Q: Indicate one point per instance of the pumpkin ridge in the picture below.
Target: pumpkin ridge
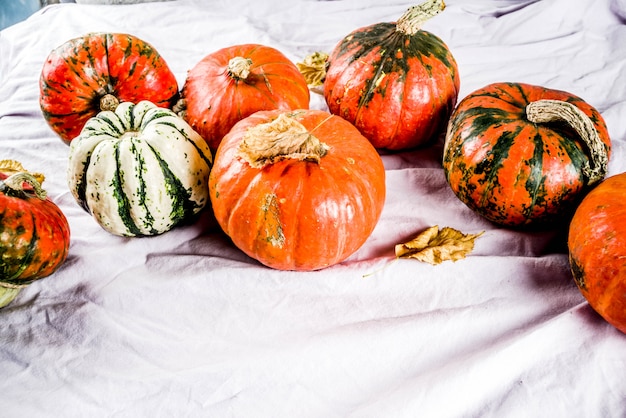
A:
(575, 154)
(123, 204)
(147, 218)
(81, 185)
(483, 117)
(490, 166)
(72, 65)
(297, 197)
(50, 115)
(517, 102)
(110, 122)
(108, 41)
(246, 191)
(27, 258)
(207, 159)
(535, 183)
(180, 196)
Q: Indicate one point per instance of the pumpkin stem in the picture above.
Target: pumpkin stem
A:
(239, 67)
(413, 19)
(108, 102)
(14, 185)
(282, 138)
(545, 111)
(180, 108)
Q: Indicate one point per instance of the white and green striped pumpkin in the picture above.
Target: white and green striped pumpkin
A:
(139, 170)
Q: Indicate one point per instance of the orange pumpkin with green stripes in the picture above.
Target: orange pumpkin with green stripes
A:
(521, 154)
(394, 81)
(95, 72)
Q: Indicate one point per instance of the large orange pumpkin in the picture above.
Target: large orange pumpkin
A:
(231, 83)
(298, 190)
(597, 249)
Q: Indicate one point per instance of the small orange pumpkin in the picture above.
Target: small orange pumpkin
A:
(234, 82)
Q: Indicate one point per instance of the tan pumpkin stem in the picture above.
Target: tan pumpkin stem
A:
(108, 102)
(413, 19)
(546, 111)
(9, 167)
(239, 67)
(282, 138)
(15, 183)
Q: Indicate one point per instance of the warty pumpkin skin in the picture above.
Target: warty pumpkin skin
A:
(95, 72)
(597, 249)
(518, 172)
(298, 190)
(140, 170)
(231, 83)
(34, 234)
(396, 83)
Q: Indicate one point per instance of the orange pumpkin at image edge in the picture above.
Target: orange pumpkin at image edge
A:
(231, 83)
(34, 233)
(305, 209)
(597, 249)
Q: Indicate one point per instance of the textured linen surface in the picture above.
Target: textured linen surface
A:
(184, 325)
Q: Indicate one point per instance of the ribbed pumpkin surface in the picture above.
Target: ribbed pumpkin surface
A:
(139, 170)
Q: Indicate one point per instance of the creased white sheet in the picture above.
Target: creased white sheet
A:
(185, 325)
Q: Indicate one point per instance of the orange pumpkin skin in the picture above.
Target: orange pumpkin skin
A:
(300, 215)
(215, 98)
(597, 249)
(79, 73)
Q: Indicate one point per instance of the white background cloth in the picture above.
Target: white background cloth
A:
(185, 325)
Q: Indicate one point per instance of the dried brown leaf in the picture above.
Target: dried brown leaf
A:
(435, 246)
(313, 68)
(9, 167)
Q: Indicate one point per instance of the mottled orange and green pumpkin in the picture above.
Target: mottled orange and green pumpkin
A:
(34, 233)
(94, 72)
(516, 172)
(395, 82)
(597, 249)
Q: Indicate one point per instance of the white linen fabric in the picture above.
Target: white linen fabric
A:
(183, 324)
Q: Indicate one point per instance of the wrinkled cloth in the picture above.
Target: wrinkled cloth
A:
(184, 324)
